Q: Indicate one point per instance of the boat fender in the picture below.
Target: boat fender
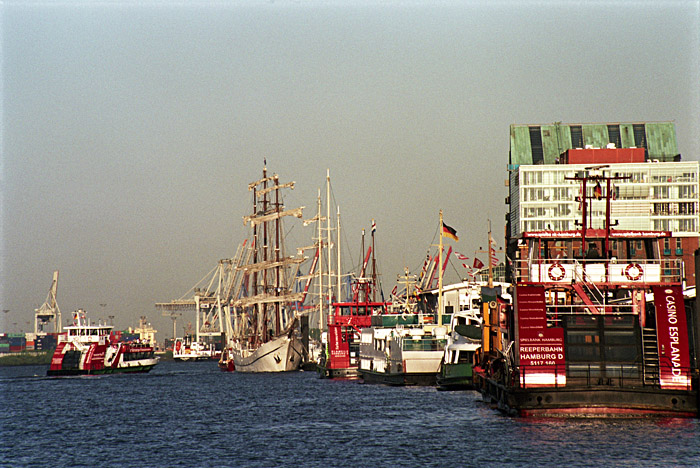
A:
(633, 271)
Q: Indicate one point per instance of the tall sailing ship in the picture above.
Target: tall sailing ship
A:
(264, 307)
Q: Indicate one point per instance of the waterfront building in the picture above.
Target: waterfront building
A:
(653, 189)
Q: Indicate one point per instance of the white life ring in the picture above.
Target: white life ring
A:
(556, 272)
(630, 271)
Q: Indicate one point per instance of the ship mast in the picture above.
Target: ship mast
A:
(278, 270)
(490, 260)
(328, 234)
(320, 265)
(440, 304)
(339, 298)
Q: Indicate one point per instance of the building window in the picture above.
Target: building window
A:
(576, 136)
(640, 139)
(661, 191)
(661, 208)
(686, 191)
(687, 225)
(614, 135)
(686, 208)
(536, 145)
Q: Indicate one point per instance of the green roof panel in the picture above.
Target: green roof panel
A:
(595, 135)
(520, 149)
(661, 141)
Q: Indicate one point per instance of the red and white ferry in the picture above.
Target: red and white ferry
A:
(85, 348)
(598, 327)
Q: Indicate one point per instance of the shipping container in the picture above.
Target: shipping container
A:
(18, 341)
(46, 342)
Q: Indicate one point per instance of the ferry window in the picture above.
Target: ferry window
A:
(583, 337)
(582, 353)
(627, 353)
(619, 337)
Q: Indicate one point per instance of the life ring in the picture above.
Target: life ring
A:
(628, 272)
(177, 345)
(556, 272)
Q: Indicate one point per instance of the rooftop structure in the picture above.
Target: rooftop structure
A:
(544, 144)
(653, 189)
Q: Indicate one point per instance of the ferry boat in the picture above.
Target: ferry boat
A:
(406, 347)
(598, 327)
(463, 341)
(399, 350)
(185, 350)
(85, 348)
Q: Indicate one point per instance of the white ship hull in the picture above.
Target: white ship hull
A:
(282, 354)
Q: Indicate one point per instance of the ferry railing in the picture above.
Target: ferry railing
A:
(556, 311)
(613, 271)
(594, 375)
(423, 344)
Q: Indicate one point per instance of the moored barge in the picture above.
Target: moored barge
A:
(598, 327)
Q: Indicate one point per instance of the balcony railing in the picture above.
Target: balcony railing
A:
(617, 271)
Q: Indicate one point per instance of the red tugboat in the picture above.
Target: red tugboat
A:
(598, 327)
(340, 358)
(85, 348)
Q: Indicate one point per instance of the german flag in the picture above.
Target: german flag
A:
(598, 191)
(449, 232)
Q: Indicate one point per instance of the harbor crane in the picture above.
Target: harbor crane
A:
(49, 311)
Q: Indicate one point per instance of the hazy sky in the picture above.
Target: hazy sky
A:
(131, 131)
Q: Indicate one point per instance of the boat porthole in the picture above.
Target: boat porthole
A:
(674, 401)
(539, 400)
(548, 398)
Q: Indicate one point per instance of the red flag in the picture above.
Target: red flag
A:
(478, 263)
(461, 257)
(494, 259)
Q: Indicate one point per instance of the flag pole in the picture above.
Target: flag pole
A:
(440, 305)
(490, 258)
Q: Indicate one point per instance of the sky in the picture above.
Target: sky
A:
(131, 130)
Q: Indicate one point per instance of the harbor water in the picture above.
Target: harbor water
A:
(192, 415)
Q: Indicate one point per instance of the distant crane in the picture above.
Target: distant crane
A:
(49, 311)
